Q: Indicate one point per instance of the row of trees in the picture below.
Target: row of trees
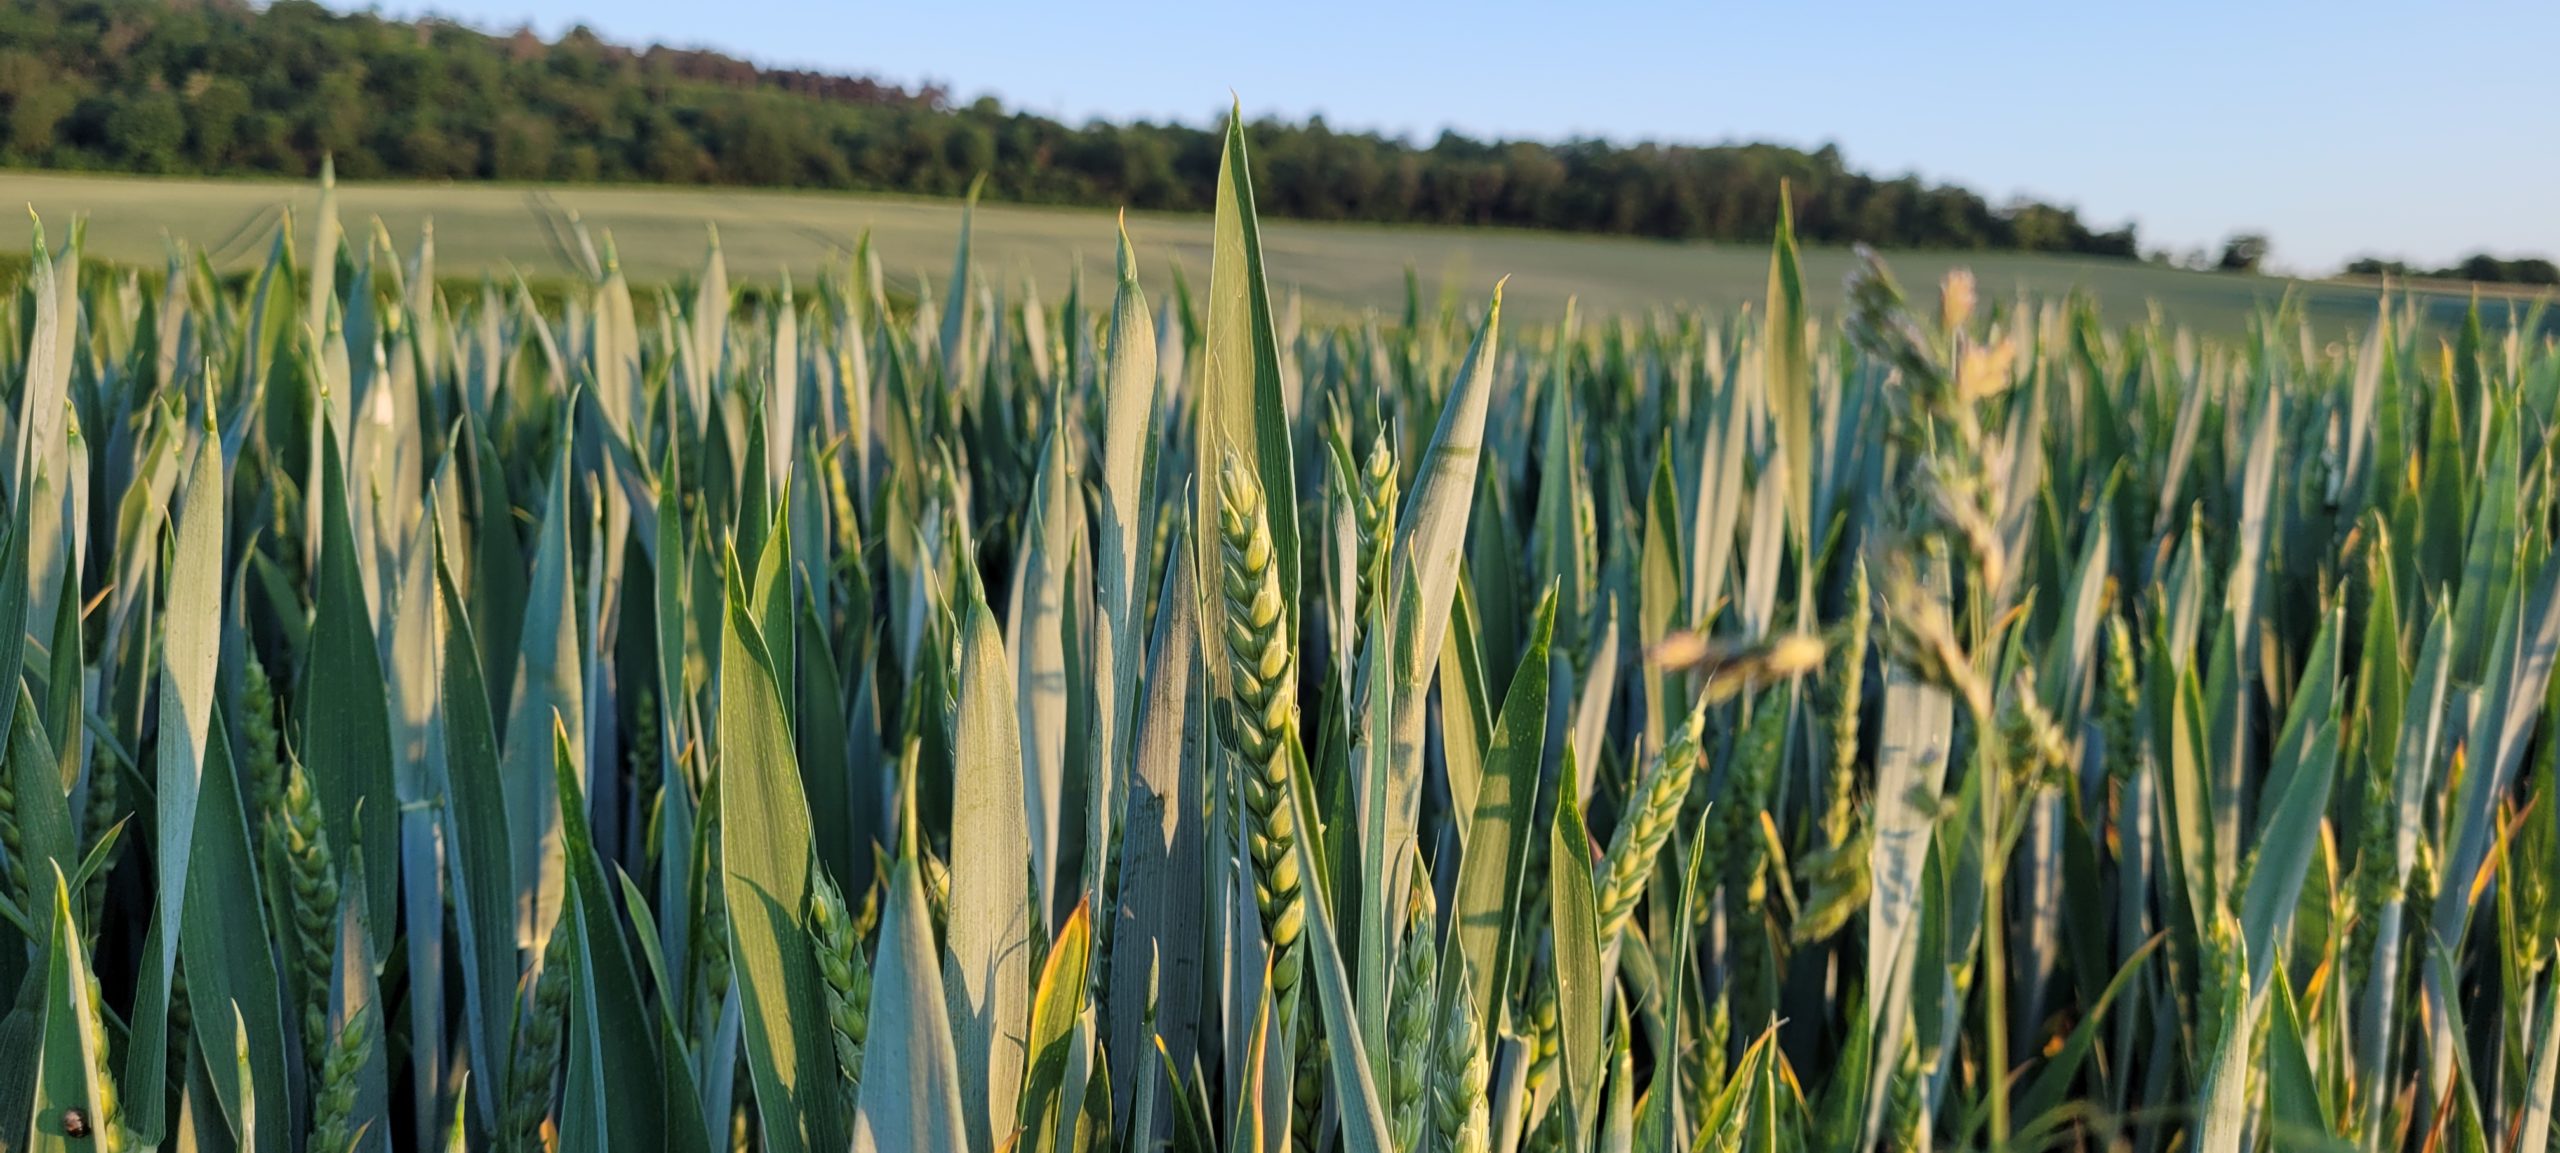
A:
(2479, 267)
(224, 87)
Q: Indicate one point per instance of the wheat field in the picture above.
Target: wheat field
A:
(1909, 708)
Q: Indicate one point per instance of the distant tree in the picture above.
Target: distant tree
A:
(2040, 228)
(2482, 268)
(333, 122)
(37, 102)
(213, 122)
(2244, 252)
(666, 153)
(578, 163)
(2479, 268)
(522, 148)
(148, 131)
(2487, 269)
(969, 149)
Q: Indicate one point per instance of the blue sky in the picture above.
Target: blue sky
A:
(2414, 130)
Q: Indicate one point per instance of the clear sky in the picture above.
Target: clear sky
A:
(2422, 131)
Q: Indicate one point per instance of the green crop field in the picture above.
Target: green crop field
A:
(1830, 706)
(1338, 269)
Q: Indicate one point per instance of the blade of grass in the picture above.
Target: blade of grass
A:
(988, 967)
(764, 868)
(1579, 994)
(1484, 932)
(919, 1109)
(479, 847)
(346, 712)
(224, 949)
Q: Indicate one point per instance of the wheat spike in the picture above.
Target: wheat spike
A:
(311, 875)
(1263, 689)
(848, 979)
(1374, 515)
(1409, 1023)
(1460, 1116)
(532, 1072)
(1621, 877)
(333, 1106)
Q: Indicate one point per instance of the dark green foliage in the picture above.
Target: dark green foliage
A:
(161, 86)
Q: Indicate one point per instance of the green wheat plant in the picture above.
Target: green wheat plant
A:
(933, 711)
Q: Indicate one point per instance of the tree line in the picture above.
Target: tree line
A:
(221, 87)
(2479, 267)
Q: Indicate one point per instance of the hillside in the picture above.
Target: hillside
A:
(220, 87)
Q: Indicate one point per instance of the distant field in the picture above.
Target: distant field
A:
(660, 234)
